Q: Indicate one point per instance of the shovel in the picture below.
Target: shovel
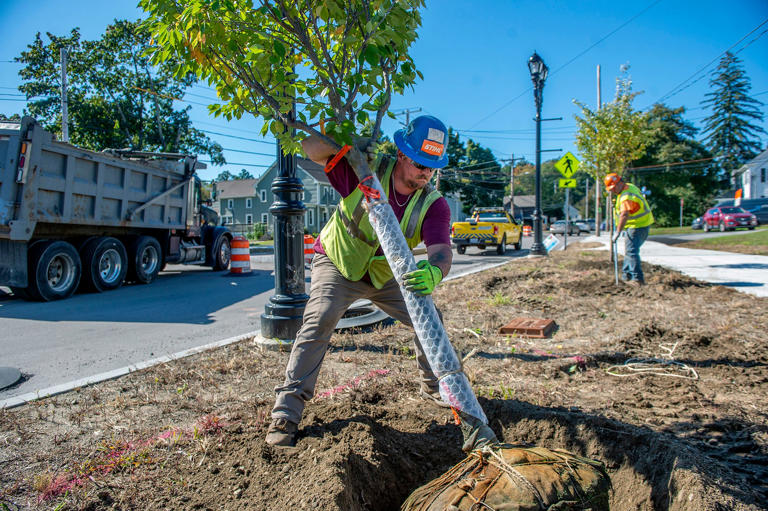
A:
(615, 260)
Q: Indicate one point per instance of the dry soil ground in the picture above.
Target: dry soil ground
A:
(685, 429)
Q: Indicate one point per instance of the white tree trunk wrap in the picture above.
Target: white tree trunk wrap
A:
(453, 383)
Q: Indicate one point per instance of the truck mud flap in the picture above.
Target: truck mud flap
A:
(13, 263)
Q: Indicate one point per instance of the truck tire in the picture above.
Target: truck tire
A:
(501, 248)
(519, 243)
(222, 253)
(54, 271)
(105, 264)
(461, 249)
(145, 260)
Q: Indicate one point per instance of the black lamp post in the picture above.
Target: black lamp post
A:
(539, 71)
(284, 311)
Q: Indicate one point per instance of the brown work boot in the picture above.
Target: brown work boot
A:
(433, 397)
(635, 283)
(282, 433)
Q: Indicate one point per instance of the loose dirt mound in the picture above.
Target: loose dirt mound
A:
(665, 389)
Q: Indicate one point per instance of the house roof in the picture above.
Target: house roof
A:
(313, 169)
(522, 201)
(235, 188)
(760, 159)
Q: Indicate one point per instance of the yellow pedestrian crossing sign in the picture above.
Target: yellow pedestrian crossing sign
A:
(567, 183)
(567, 165)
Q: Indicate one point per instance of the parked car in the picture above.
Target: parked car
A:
(761, 212)
(728, 218)
(558, 227)
(697, 223)
(583, 227)
(590, 223)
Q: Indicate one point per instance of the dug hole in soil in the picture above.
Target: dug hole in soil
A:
(682, 426)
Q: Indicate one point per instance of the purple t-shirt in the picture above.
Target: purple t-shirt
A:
(435, 229)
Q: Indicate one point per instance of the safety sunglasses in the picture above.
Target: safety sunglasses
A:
(421, 167)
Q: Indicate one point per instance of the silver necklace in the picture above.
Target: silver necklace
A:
(394, 192)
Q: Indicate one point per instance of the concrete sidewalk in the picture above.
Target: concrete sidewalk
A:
(747, 273)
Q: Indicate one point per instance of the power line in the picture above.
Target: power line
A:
(505, 105)
(239, 164)
(248, 152)
(674, 90)
(239, 138)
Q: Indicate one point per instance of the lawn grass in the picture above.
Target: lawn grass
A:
(656, 231)
(748, 243)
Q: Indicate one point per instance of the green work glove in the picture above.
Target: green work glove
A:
(424, 280)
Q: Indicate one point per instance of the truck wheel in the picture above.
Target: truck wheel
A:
(54, 271)
(722, 226)
(146, 258)
(222, 253)
(461, 249)
(706, 227)
(104, 264)
(519, 243)
(502, 247)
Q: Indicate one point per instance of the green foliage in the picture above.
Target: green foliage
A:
(338, 61)
(244, 174)
(225, 175)
(672, 140)
(730, 132)
(116, 97)
(609, 138)
(12, 118)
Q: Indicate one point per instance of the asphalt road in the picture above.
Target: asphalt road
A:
(187, 307)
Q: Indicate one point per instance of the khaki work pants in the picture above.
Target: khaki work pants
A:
(329, 297)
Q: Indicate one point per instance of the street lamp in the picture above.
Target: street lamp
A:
(538, 70)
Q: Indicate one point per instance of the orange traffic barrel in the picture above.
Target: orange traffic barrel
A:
(241, 256)
(526, 230)
(309, 248)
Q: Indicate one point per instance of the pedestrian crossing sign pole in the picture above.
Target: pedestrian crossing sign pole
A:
(567, 166)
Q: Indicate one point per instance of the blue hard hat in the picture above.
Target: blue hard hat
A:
(425, 141)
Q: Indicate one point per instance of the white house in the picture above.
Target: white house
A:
(752, 177)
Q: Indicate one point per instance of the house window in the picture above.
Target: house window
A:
(264, 218)
(248, 203)
(263, 194)
(226, 220)
(324, 216)
(310, 220)
(249, 219)
(762, 175)
(230, 204)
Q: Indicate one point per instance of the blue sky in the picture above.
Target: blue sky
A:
(474, 59)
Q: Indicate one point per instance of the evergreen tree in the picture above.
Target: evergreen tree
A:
(730, 132)
(675, 166)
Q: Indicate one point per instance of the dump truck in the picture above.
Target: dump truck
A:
(72, 218)
(487, 226)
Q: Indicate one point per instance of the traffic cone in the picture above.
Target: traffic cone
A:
(241, 256)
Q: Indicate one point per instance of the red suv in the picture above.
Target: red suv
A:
(728, 218)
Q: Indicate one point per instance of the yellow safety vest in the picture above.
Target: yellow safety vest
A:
(642, 217)
(350, 241)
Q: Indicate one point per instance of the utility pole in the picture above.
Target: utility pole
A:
(512, 181)
(64, 112)
(597, 177)
(407, 112)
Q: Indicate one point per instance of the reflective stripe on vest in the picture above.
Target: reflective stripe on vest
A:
(643, 217)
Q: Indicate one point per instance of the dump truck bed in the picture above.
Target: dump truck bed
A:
(51, 185)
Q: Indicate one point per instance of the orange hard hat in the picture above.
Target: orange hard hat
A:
(611, 180)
